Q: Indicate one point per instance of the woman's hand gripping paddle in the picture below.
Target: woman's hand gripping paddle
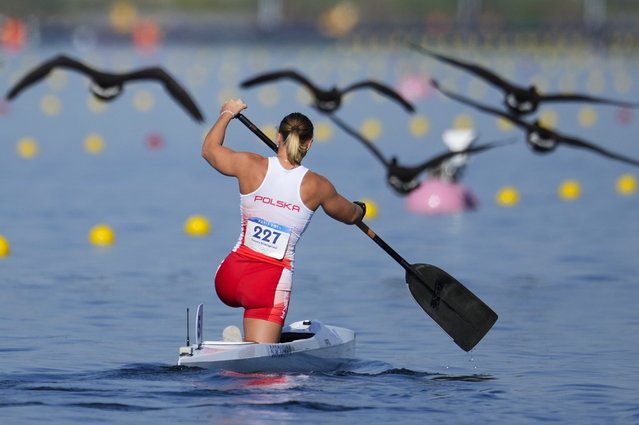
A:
(459, 312)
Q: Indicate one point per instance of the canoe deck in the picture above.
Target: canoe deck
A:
(305, 346)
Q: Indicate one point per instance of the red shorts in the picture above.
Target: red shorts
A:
(263, 289)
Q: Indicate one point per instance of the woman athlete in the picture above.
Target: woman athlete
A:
(278, 197)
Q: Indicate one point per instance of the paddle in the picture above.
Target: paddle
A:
(459, 312)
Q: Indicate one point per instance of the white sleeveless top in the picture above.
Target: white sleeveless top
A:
(274, 216)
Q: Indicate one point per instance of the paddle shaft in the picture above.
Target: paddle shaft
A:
(257, 131)
(386, 247)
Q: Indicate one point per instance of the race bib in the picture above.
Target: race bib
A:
(267, 238)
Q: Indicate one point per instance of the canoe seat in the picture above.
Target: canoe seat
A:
(294, 336)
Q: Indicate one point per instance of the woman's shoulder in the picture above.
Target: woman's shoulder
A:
(251, 172)
(317, 181)
(252, 157)
(250, 164)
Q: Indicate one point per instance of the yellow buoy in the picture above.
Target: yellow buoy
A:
(323, 131)
(587, 116)
(143, 100)
(504, 125)
(627, 184)
(419, 126)
(569, 190)
(463, 121)
(94, 144)
(101, 235)
(123, 16)
(372, 129)
(271, 131)
(27, 148)
(548, 118)
(5, 248)
(507, 196)
(51, 105)
(197, 225)
(371, 209)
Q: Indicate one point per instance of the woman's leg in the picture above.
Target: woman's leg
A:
(265, 297)
(263, 331)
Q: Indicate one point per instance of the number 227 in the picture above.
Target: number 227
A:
(265, 234)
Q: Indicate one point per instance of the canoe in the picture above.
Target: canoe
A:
(305, 346)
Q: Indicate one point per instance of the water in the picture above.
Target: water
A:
(91, 334)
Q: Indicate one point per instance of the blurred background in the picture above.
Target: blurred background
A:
(210, 47)
(609, 23)
(585, 46)
(111, 222)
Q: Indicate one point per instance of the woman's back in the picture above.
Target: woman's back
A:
(274, 215)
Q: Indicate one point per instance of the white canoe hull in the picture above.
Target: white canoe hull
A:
(308, 346)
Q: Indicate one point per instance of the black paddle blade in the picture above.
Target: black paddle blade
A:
(453, 307)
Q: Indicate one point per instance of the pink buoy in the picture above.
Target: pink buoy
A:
(415, 87)
(154, 141)
(624, 116)
(435, 196)
(4, 107)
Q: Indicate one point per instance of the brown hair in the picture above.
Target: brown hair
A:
(296, 130)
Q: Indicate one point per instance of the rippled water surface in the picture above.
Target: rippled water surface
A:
(91, 334)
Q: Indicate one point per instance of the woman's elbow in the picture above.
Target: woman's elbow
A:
(209, 157)
(355, 217)
(206, 156)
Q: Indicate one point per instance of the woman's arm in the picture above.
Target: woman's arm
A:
(335, 205)
(223, 159)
